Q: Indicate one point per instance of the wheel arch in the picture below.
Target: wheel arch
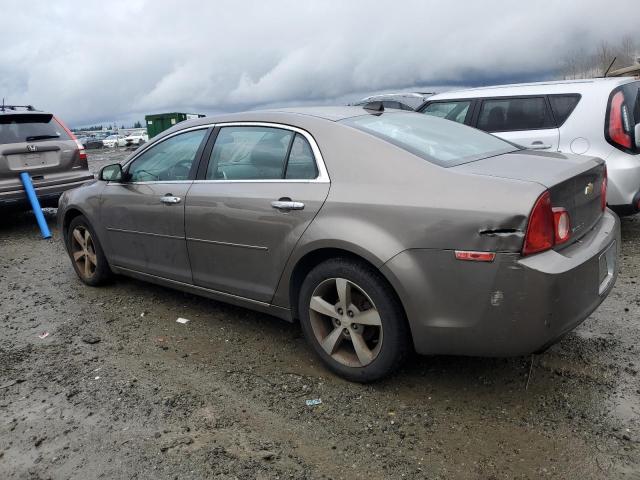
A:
(314, 257)
(69, 214)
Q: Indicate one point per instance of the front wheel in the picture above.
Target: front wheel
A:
(86, 253)
(353, 320)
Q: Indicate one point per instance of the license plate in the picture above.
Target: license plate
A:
(607, 263)
(26, 161)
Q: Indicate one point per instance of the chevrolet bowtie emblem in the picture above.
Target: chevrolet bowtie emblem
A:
(588, 190)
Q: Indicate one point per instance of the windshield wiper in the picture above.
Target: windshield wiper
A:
(41, 137)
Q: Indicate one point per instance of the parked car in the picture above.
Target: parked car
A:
(40, 144)
(83, 139)
(400, 101)
(113, 141)
(377, 230)
(90, 142)
(136, 139)
(597, 117)
(93, 143)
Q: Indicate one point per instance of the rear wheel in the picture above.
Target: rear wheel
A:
(86, 253)
(353, 320)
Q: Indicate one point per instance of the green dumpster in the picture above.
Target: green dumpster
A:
(160, 122)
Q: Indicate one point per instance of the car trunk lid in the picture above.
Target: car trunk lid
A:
(574, 182)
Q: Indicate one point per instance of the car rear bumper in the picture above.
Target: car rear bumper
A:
(624, 180)
(47, 190)
(513, 306)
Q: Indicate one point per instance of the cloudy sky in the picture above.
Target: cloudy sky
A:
(95, 61)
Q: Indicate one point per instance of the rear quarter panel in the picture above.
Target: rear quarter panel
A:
(384, 200)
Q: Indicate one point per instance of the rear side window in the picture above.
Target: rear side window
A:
(260, 153)
(563, 105)
(249, 153)
(301, 164)
(440, 142)
(30, 128)
(456, 111)
(504, 114)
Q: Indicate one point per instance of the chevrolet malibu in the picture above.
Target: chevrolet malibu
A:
(380, 232)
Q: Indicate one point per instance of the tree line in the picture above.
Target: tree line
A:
(594, 62)
(109, 127)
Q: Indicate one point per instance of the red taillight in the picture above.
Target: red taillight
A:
(83, 153)
(603, 191)
(548, 226)
(561, 225)
(540, 230)
(475, 256)
(617, 118)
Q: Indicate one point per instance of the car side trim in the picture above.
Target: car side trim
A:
(190, 286)
(228, 244)
(136, 232)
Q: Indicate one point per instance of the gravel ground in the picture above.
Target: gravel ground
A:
(118, 389)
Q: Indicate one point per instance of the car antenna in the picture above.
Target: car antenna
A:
(375, 108)
(610, 65)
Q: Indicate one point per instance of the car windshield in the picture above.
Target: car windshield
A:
(30, 128)
(442, 142)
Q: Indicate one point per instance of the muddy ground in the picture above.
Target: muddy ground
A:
(118, 389)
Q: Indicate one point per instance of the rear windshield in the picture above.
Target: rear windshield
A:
(30, 128)
(442, 142)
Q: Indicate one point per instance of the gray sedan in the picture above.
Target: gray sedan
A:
(381, 232)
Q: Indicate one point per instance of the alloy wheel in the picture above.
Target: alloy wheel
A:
(345, 322)
(83, 252)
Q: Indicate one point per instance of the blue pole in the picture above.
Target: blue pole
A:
(35, 204)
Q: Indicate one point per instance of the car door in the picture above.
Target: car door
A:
(144, 214)
(260, 187)
(526, 121)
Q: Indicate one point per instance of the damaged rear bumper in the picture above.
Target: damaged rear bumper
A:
(513, 306)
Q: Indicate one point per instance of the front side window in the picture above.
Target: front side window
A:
(260, 153)
(505, 114)
(443, 143)
(456, 111)
(169, 160)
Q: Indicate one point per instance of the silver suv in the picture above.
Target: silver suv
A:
(40, 144)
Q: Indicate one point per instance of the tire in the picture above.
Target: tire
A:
(97, 272)
(383, 341)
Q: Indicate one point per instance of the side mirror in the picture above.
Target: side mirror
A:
(637, 132)
(111, 173)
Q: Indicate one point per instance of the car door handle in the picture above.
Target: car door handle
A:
(287, 205)
(170, 199)
(538, 145)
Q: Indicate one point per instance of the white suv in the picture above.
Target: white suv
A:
(598, 117)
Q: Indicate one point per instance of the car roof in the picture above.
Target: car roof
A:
(330, 113)
(307, 118)
(537, 88)
(24, 113)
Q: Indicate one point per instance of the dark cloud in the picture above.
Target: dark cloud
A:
(101, 61)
